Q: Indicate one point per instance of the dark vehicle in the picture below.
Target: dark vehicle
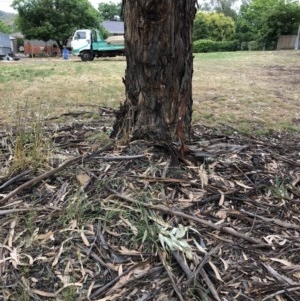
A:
(6, 53)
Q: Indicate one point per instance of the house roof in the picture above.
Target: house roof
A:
(114, 27)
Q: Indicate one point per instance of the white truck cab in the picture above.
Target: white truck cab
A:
(89, 43)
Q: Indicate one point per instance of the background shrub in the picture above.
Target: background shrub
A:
(213, 46)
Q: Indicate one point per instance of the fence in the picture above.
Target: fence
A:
(286, 42)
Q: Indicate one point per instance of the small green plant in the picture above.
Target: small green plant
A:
(279, 188)
(75, 208)
(69, 293)
(146, 230)
(100, 137)
(29, 221)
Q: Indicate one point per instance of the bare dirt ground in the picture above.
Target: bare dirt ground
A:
(106, 222)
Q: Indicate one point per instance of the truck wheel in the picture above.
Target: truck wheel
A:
(86, 56)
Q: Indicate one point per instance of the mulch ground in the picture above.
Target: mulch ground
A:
(104, 222)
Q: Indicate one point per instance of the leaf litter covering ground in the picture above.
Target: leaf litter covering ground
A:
(112, 223)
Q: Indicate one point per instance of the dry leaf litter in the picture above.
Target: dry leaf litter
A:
(99, 221)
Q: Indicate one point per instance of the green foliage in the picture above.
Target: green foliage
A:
(220, 27)
(4, 28)
(110, 11)
(265, 20)
(215, 46)
(227, 7)
(56, 20)
(8, 20)
(204, 46)
(200, 30)
(283, 19)
(213, 26)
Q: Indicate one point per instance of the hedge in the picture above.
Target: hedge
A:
(213, 46)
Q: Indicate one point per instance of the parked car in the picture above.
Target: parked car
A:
(6, 53)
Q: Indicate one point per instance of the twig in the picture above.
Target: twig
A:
(115, 280)
(210, 285)
(52, 172)
(166, 180)
(41, 177)
(227, 230)
(205, 260)
(278, 276)
(111, 158)
(9, 211)
(176, 289)
(281, 292)
(14, 179)
(273, 220)
(182, 264)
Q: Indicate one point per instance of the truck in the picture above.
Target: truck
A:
(89, 43)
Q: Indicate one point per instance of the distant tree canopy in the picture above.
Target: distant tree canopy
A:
(213, 26)
(110, 11)
(4, 28)
(265, 20)
(54, 20)
(227, 7)
(260, 21)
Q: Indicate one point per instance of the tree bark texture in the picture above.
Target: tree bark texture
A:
(158, 76)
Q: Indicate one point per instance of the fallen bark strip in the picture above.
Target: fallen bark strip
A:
(227, 230)
(175, 287)
(205, 260)
(14, 179)
(9, 211)
(273, 220)
(52, 172)
(210, 285)
(103, 288)
(117, 158)
(193, 275)
(283, 291)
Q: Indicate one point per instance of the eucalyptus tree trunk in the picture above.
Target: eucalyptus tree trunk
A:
(158, 77)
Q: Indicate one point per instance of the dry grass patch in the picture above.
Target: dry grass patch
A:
(52, 87)
(250, 91)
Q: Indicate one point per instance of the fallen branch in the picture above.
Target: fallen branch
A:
(9, 211)
(285, 290)
(14, 179)
(52, 172)
(176, 289)
(227, 230)
(273, 220)
(205, 260)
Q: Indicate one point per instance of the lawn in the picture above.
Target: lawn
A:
(248, 90)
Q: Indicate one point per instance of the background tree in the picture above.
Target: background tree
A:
(54, 19)
(220, 27)
(283, 19)
(200, 30)
(110, 11)
(158, 76)
(264, 20)
(4, 28)
(227, 7)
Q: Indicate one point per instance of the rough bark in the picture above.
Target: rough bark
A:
(158, 77)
